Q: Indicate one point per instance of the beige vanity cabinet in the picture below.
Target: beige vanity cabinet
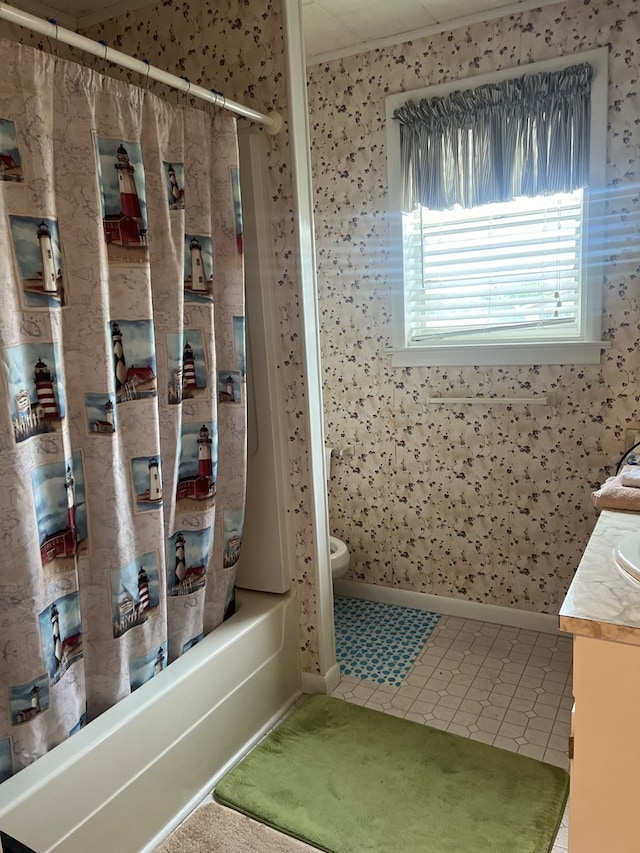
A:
(604, 797)
(602, 611)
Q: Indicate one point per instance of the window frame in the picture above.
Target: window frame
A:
(583, 350)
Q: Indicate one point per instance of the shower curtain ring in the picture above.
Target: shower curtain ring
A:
(104, 58)
(148, 64)
(218, 94)
(54, 23)
(188, 89)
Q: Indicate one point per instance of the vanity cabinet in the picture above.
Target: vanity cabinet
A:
(602, 611)
(604, 797)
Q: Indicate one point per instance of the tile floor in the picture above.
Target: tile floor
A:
(503, 686)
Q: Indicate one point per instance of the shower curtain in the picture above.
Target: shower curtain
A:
(122, 371)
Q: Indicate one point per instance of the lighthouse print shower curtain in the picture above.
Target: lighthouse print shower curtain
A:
(122, 395)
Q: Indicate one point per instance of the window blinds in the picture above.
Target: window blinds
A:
(501, 267)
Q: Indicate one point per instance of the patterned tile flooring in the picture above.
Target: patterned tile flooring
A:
(503, 686)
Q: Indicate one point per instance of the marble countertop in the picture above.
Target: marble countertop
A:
(602, 601)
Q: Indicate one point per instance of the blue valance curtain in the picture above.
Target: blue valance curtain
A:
(525, 136)
(122, 404)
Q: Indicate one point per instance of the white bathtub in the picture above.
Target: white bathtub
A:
(124, 782)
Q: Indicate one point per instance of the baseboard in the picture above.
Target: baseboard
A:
(312, 682)
(546, 623)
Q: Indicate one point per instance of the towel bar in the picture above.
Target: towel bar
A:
(540, 400)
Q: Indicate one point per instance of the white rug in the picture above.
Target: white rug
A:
(216, 829)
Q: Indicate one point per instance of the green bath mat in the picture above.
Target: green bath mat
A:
(351, 780)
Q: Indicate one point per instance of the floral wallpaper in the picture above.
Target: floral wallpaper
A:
(488, 503)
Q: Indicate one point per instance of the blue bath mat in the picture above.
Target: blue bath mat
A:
(378, 641)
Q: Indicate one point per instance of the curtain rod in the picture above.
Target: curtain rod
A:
(271, 122)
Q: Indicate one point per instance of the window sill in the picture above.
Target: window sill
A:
(507, 354)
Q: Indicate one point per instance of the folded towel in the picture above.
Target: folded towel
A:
(614, 495)
(631, 476)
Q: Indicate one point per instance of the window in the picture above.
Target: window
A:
(497, 276)
(499, 269)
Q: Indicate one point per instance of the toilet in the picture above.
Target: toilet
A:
(339, 557)
(338, 551)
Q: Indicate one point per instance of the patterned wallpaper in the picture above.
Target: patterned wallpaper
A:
(489, 503)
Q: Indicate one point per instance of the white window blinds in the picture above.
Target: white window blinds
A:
(497, 271)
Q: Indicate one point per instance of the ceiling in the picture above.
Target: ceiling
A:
(332, 28)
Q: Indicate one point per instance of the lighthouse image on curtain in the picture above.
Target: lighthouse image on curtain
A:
(186, 365)
(229, 386)
(101, 413)
(28, 700)
(35, 391)
(198, 462)
(123, 194)
(134, 359)
(233, 521)
(198, 268)
(174, 178)
(192, 642)
(10, 163)
(146, 667)
(147, 482)
(38, 253)
(81, 723)
(135, 593)
(187, 561)
(61, 514)
(61, 635)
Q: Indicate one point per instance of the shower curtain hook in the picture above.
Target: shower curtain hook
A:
(148, 64)
(188, 89)
(104, 58)
(54, 23)
(216, 106)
